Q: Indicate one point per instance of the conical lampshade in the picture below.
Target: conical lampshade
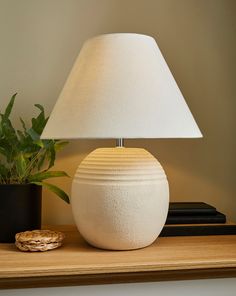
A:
(121, 87)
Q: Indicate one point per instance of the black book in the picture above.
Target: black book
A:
(199, 229)
(196, 219)
(191, 208)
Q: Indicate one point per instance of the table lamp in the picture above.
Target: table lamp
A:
(120, 87)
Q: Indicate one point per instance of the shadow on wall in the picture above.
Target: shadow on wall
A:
(195, 173)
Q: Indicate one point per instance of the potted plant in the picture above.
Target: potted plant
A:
(25, 163)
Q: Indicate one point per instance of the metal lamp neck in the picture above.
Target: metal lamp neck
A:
(119, 142)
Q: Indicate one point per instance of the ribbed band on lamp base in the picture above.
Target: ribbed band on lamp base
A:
(120, 87)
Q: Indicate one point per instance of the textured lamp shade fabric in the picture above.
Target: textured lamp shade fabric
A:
(121, 87)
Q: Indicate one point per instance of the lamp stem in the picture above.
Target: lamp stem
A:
(120, 142)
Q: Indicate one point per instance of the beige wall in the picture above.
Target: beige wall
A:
(39, 41)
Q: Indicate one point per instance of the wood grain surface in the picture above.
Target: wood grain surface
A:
(77, 263)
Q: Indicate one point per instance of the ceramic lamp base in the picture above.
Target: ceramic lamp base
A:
(120, 198)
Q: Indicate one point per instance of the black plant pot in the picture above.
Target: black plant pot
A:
(20, 210)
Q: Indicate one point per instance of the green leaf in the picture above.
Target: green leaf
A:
(8, 139)
(59, 192)
(21, 164)
(60, 145)
(40, 107)
(8, 131)
(23, 124)
(33, 134)
(39, 143)
(40, 121)
(41, 161)
(2, 151)
(9, 106)
(52, 156)
(21, 135)
(47, 175)
(29, 154)
(3, 171)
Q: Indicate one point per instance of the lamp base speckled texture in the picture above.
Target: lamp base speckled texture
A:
(120, 198)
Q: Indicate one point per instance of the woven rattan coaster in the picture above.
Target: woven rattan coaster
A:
(39, 240)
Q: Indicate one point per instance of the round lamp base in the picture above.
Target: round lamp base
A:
(120, 198)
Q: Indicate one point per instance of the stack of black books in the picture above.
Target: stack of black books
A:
(195, 218)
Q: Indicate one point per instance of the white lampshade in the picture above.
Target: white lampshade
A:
(121, 87)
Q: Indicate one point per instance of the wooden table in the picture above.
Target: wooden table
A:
(77, 263)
